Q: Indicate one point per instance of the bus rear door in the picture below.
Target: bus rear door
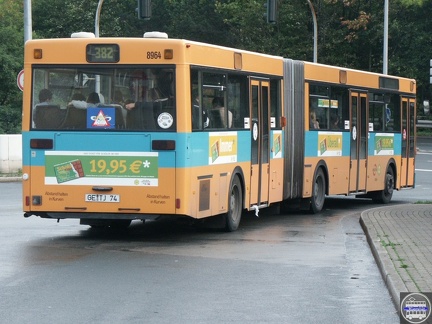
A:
(358, 142)
(408, 142)
(259, 192)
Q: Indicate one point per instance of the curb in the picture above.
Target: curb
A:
(10, 179)
(391, 278)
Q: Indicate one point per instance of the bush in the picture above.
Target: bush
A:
(10, 120)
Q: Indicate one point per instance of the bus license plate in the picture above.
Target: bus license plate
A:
(102, 198)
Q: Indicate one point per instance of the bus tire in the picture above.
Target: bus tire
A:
(235, 205)
(384, 196)
(318, 192)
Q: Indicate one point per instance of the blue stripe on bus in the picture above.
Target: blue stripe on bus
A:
(312, 143)
(192, 149)
(397, 143)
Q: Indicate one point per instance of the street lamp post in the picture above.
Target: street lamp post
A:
(315, 53)
(97, 17)
(385, 43)
(27, 21)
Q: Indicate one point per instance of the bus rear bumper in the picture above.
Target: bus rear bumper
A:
(104, 216)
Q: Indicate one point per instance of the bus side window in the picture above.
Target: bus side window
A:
(275, 104)
(199, 115)
(238, 100)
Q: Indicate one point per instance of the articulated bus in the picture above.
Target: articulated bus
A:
(118, 129)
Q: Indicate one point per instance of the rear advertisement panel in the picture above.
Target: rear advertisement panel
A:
(102, 168)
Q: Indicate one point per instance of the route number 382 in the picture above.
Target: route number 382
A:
(154, 55)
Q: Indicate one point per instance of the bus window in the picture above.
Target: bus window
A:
(339, 104)
(393, 113)
(200, 116)
(384, 112)
(221, 97)
(321, 108)
(275, 104)
(319, 90)
(238, 99)
(319, 103)
(214, 100)
(376, 112)
(127, 99)
(329, 106)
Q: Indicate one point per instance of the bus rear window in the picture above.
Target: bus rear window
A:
(103, 98)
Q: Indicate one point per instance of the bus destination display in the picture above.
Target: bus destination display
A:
(103, 53)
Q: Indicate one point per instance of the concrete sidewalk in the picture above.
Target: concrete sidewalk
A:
(400, 237)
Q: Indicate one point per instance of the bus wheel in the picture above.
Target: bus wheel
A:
(384, 196)
(318, 192)
(235, 206)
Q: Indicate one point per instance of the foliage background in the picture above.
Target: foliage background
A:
(350, 33)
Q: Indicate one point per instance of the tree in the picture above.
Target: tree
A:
(410, 43)
(350, 32)
(11, 62)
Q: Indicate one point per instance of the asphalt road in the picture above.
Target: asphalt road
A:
(295, 268)
(292, 268)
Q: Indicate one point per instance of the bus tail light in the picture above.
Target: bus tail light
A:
(178, 203)
(37, 143)
(36, 200)
(163, 145)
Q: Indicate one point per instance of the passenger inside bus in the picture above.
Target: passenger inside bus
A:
(314, 124)
(334, 121)
(164, 86)
(45, 97)
(219, 114)
(78, 96)
(47, 115)
(140, 112)
(93, 100)
(196, 111)
(119, 101)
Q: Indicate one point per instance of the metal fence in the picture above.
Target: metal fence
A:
(424, 123)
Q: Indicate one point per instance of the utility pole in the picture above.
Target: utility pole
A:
(27, 21)
(315, 52)
(97, 17)
(385, 43)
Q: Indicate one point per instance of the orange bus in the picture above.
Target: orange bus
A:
(117, 129)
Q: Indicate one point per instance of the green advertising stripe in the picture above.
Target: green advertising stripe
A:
(101, 166)
(384, 142)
